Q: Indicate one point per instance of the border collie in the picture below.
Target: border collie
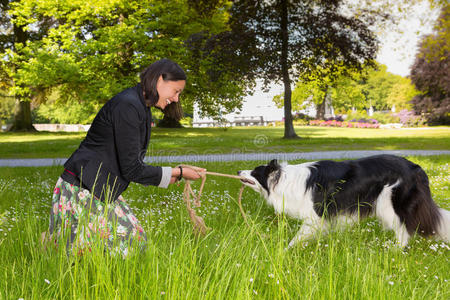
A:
(326, 194)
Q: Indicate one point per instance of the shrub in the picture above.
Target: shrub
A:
(385, 118)
(300, 122)
(409, 118)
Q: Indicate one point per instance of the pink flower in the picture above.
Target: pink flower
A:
(56, 191)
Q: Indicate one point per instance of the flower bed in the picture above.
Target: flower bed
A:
(334, 123)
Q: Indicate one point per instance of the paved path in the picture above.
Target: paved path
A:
(39, 162)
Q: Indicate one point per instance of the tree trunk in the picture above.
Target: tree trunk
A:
(22, 116)
(320, 115)
(289, 131)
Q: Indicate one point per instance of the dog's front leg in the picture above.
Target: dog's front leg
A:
(308, 230)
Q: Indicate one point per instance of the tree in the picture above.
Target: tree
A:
(377, 87)
(97, 49)
(348, 93)
(13, 37)
(431, 73)
(290, 38)
(373, 86)
(401, 94)
(319, 86)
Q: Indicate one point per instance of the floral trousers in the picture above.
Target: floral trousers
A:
(84, 220)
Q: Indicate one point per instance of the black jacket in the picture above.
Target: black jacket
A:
(111, 155)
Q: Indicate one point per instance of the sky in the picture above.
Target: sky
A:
(398, 49)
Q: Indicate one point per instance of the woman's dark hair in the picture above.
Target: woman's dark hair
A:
(170, 71)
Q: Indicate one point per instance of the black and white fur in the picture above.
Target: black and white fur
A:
(326, 194)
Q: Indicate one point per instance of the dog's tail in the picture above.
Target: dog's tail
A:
(444, 225)
(421, 214)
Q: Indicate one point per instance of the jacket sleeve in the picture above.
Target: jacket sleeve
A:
(127, 125)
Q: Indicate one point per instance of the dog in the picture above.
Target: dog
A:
(327, 194)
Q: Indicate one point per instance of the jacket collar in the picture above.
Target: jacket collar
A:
(140, 93)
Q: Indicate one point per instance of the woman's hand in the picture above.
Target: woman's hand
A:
(192, 174)
(187, 173)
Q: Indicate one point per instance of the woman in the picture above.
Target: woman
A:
(86, 200)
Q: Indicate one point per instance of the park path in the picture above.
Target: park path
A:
(263, 156)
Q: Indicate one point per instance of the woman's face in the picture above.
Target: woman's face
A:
(168, 91)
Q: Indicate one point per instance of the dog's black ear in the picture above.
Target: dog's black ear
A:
(272, 166)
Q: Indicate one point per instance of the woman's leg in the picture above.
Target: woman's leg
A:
(76, 212)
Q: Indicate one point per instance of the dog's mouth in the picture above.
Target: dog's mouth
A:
(245, 180)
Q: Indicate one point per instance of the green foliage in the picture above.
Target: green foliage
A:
(66, 113)
(373, 87)
(95, 49)
(401, 93)
(377, 87)
(385, 118)
(348, 94)
(356, 115)
(381, 117)
(6, 107)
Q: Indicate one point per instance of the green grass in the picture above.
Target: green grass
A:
(231, 262)
(237, 140)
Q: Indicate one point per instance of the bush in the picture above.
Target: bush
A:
(385, 118)
(300, 122)
(377, 117)
(301, 116)
(186, 121)
(410, 119)
(356, 115)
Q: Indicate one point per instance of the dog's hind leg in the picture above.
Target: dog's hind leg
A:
(308, 230)
(386, 214)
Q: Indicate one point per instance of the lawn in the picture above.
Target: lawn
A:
(237, 140)
(232, 261)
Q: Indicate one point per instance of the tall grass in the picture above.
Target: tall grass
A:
(232, 261)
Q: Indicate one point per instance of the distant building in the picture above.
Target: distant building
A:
(257, 110)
